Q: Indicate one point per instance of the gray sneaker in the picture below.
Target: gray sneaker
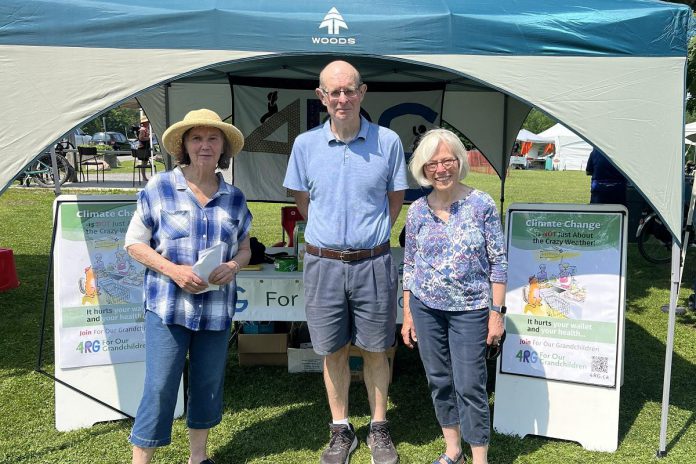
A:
(343, 442)
(380, 443)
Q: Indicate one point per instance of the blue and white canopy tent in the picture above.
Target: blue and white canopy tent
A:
(602, 67)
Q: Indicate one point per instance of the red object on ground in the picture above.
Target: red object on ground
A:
(8, 271)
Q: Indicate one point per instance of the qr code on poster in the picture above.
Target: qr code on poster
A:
(600, 364)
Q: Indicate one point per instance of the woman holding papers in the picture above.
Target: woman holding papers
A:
(455, 272)
(187, 220)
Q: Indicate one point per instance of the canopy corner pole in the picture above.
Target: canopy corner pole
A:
(677, 274)
(54, 171)
(506, 158)
(669, 346)
(167, 159)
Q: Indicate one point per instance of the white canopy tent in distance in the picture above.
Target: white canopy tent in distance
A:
(595, 65)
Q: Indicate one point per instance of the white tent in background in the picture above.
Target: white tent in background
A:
(690, 132)
(571, 150)
(528, 136)
(534, 153)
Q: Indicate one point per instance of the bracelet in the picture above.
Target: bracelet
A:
(236, 266)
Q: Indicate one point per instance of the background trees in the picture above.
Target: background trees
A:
(119, 119)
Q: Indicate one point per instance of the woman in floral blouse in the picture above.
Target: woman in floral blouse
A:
(455, 271)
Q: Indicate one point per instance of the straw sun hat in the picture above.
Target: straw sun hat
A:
(173, 137)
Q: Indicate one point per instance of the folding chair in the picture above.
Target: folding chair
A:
(89, 157)
(141, 163)
(289, 215)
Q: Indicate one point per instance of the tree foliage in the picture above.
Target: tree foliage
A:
(537, 121)
(117, 120)
(691, 77)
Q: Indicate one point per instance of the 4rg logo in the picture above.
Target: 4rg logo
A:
(89, 346)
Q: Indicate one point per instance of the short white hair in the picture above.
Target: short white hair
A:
(426, 150)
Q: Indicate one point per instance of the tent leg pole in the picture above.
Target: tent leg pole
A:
(54, 171)
(669, 348)
(506, 159)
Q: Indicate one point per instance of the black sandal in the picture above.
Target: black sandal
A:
(458, 460)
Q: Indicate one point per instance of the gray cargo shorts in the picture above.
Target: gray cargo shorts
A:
(352, 302)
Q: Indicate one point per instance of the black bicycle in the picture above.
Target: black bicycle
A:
(653, 237)
(40, 170)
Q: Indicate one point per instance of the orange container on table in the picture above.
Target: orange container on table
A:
(8, 271)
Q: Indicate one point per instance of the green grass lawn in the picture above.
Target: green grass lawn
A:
(271, 416)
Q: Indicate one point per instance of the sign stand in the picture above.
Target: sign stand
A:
(103, 381)
(561, 369)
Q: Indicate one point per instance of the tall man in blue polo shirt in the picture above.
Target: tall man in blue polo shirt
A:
(348, 177)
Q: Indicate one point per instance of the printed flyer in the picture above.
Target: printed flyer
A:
(99, 315)
(563, 295)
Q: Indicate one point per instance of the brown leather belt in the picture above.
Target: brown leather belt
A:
(347, 256)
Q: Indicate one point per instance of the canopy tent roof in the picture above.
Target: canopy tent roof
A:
(527, 136)
(529, 27)
(581, 62)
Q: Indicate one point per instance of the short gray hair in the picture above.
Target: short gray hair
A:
(427, 148)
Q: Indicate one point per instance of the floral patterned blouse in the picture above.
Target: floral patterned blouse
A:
(450, 265)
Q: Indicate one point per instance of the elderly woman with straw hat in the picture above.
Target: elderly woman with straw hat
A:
(181, 213)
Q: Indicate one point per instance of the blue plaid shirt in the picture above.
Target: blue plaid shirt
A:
(180, 229)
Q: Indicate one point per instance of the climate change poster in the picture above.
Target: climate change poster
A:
(564, 295)
(98, 287)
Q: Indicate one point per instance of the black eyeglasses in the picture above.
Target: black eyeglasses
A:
(446, 163)
(334, 95)
(493, 351)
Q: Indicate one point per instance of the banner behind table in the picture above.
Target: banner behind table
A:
(272, 117)
(565, 299)
(98, 312)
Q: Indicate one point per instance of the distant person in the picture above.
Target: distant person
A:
(144, 140)
(144, 133)
(608, 184)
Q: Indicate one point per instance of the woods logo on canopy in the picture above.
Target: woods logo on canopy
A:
(333, 22)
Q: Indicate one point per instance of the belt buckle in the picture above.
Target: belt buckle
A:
(345, 253)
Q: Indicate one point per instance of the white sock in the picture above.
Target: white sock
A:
(341, 422)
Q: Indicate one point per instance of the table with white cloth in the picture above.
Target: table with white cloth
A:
(270, 295)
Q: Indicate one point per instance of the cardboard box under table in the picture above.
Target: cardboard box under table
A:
(306, 360)
(262, 349)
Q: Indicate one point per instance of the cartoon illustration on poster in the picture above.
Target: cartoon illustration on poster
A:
(101, 315)
(564, 284)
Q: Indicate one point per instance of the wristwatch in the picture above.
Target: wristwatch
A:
(499, 309)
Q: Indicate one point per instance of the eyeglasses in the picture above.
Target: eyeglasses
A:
(336, 94)
(446, 163)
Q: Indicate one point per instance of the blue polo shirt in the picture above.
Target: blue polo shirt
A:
(347, 184)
